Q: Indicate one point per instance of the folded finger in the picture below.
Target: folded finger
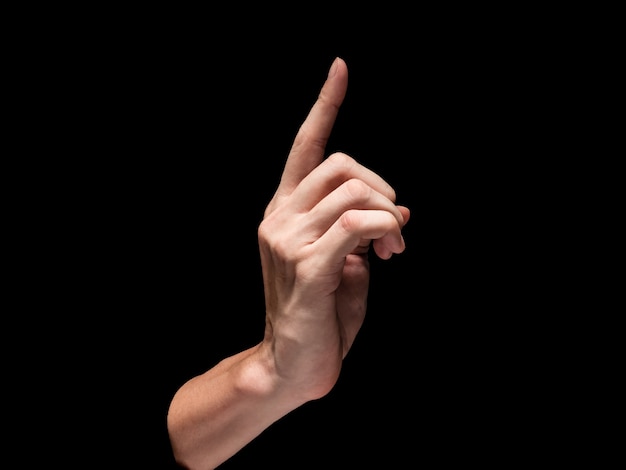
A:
(345, 235)
(336, 170)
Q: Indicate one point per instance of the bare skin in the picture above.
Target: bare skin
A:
(325, 216)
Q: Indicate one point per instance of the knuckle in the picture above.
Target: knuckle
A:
(349, 221)
(306, 138)
(357, 190)
(341, 161)
(263, 233)
(274, 240)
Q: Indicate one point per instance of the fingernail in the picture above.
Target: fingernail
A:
(333, 68)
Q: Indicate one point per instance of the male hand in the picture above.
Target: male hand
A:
(314, 242)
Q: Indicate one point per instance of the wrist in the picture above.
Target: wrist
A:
(259, 379)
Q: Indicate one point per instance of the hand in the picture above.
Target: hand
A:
(314, 242)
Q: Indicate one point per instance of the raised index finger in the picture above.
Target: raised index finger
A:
(310, 142)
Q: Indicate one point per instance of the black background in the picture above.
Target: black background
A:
(170, 134)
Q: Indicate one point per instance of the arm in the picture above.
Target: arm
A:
(313, 240)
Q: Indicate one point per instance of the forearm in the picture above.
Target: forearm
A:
(215, 414)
